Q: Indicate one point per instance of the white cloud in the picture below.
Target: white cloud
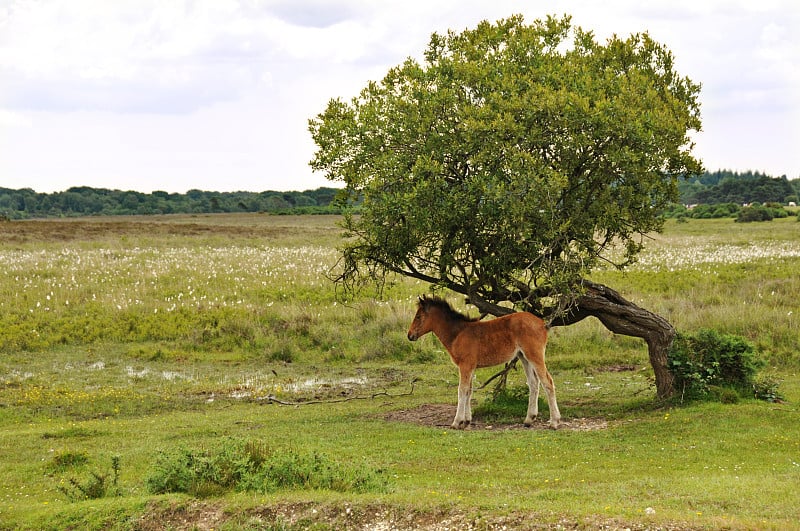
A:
(14, 119)
(219, 91)
(165, 56)
(314, 13)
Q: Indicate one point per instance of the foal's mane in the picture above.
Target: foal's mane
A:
(433, 301)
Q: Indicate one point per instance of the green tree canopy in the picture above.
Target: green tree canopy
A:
(510, 162)
(511, 158)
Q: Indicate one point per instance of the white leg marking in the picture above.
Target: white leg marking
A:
(464, 409)
(533, 388)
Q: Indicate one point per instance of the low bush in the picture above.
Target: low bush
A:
(765, 387)
(757, 212)
(708, 365)
(253, 466)
(63, 461)
(97, 485)
(754, 213)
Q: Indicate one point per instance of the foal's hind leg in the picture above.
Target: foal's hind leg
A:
(550, 390)
(533, 388)
(549, 387)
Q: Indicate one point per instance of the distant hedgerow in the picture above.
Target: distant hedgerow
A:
(253, 466)
(754, 213)
(713, 365)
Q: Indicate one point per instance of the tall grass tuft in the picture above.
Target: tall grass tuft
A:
(97, 485)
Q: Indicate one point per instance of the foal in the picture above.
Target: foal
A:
(473, 344)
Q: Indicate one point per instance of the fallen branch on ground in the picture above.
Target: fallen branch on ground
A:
(271, 399)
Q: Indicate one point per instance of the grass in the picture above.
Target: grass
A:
(178, 329)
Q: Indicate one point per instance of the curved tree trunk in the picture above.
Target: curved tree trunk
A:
(620, 316)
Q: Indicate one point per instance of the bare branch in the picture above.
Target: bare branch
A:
(271, 399)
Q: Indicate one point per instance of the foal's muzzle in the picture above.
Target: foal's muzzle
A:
(412, 336)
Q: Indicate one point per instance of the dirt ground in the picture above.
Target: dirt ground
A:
(441, 416)
(206, 515)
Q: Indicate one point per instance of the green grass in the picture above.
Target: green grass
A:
(175, 340)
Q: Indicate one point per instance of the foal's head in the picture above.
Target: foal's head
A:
(432, 310)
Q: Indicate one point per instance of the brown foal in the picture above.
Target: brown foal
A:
(473, 344)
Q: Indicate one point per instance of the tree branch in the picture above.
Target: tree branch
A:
(271, 399)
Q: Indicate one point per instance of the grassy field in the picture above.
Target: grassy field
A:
(135, 352)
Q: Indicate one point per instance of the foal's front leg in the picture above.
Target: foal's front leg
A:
(464, 409)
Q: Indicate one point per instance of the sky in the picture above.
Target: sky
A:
(216, 94)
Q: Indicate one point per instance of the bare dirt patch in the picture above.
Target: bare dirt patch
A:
(195, 515)
(441, 416)
(626, 367)
(200, 515)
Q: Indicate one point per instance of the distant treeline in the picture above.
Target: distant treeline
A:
(710, 189)
(725, 186)
(87, 201)
(749, 196)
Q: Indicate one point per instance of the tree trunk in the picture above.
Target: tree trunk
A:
(621, 316)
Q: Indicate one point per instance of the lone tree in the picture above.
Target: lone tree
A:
(512, 162)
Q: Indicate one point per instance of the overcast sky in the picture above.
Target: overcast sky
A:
(216, 94)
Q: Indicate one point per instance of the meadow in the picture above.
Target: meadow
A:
(202, 372)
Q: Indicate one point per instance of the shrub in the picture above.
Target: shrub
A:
(96, 486)
(754, 213)
(252, 466)
(765, 387)
(63, 461)
(726, 210)
(706, 364)
(675, 210)
(703, 212)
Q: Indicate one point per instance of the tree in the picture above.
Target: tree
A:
(510, 164)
